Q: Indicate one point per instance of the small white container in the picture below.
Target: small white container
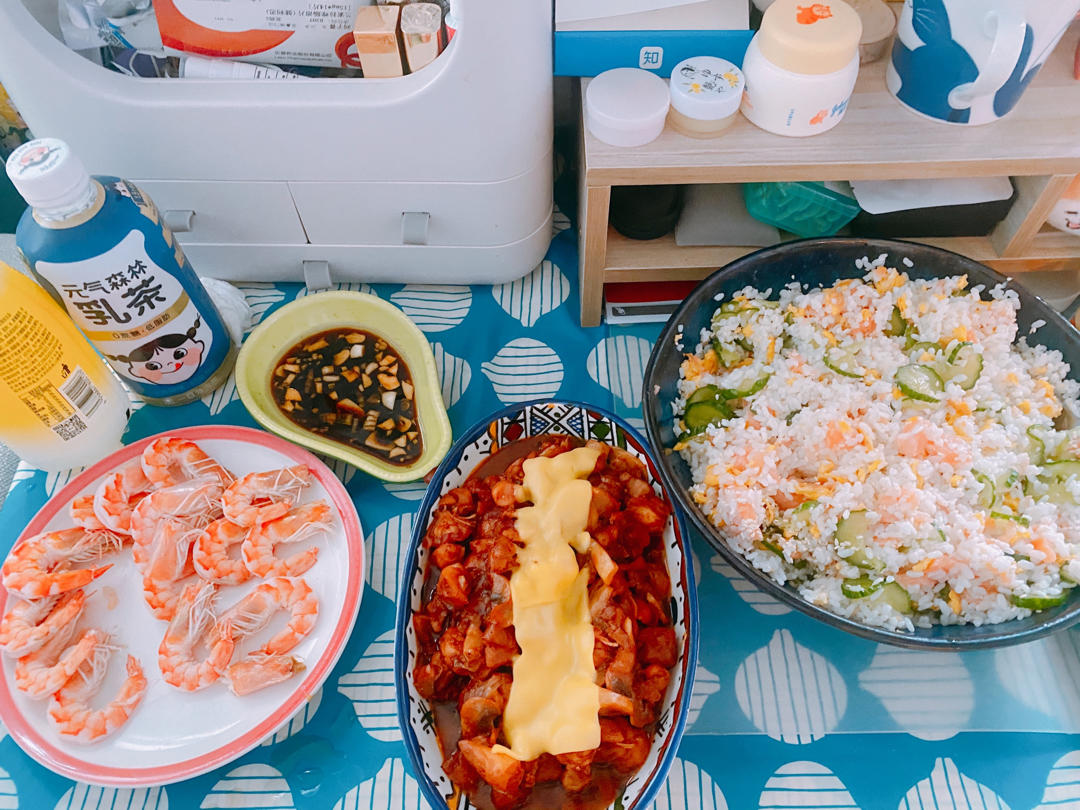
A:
(705, 96)
(801, 67)
(202, 67)
(626, 106)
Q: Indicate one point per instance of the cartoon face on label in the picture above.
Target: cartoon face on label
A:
(808, 15)
(1065, 216)
(166, 360)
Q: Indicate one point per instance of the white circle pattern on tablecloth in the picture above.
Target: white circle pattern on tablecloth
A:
(929, 694)
(369, 686)
(790, 692)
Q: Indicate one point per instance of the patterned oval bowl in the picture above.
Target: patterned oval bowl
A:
(415, 714)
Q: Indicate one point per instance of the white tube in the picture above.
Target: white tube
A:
(200, 67)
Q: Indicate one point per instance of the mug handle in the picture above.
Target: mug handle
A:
(1008, 27)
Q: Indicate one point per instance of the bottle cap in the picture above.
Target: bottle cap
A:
(706, 88)
(48, 175)
(807, 37)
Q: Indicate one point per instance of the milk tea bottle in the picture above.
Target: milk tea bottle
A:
(102, 250)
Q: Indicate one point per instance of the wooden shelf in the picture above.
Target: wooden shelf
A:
(637, 260)
(878, 139)
(1037, 144)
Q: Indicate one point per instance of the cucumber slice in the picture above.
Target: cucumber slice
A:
(769, 545)
(859, 587)
(743, 393)
(1061, 469)
(964, 366)
(923, 346)
(1039, 602)
(919, 382)
(1021, 519)
(729, 354)
(897, 325)
(707, 393)
(702, 414)
(805, 505)
(1037, 443)
(842, 361)
(852, 532)
(988, 494)
(894, 595)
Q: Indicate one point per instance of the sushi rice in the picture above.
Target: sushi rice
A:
(888, 448)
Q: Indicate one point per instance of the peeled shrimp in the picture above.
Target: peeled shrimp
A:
(211, 553)
(194, 503)
(302, 523)
(252, 613)
(69, 710)
(260, 670)
(263, 496)
(40, 566)
(118, 494)
(41, 673)
(169, 461)
(29, 625)
(193, 625)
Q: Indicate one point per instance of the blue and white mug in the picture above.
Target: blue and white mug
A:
(969, 61)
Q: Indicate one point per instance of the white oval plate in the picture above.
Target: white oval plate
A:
(176, 735)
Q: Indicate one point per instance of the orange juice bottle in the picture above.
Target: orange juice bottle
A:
(61, 406)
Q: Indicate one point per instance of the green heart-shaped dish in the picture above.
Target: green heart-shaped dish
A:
(328, 310)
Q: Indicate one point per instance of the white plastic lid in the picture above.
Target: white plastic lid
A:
(626, 106)
(48, 175)
(706, 88)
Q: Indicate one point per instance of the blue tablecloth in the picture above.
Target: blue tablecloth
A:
(786, 713)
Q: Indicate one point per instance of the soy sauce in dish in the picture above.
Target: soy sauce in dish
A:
(351, 386)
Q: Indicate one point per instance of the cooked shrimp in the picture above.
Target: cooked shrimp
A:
(211, 553)
(260, 670)
(161, 597)
(168, 461)
(262, 496)
(252, 613)
(302, 523)
(118, 495)
(69, 710)
(170, 553)
(194, 503)
(82, 514)
(40, 566)
(41, 673)
(193, 626)
(29, 625)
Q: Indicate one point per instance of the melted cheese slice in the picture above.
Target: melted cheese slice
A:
(554, 701)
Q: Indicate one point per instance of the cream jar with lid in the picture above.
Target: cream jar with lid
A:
(705, 96)
(626, 106)
(801, 66)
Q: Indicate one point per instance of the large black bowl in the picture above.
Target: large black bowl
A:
(817, 262)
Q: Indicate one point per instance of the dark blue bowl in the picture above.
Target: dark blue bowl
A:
(484, 438)
(817, 262)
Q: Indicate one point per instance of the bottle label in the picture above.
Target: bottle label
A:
(137, 314)
(31, 352)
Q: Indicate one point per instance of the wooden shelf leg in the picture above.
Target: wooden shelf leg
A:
(592, 249)
(1036, 195)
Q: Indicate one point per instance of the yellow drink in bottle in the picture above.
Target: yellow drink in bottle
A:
(61, 406)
